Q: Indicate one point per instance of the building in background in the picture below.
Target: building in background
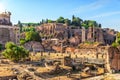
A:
(78, 35)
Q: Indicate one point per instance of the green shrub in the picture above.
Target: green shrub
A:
(114, 44)
(14, 52)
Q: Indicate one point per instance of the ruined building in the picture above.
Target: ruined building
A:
(54, 30)
(92, 34)
(76, 36)
(7, 31)
(5, 18)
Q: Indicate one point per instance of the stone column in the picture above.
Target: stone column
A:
(83, 34)
(107, 63)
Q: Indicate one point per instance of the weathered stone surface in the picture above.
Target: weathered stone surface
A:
(9, 77)
(114, 57)
(24, 76)
(5, 18)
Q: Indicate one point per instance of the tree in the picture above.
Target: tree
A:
(73, 17)
(0, 47)
(22, 41)
(67, 21)
(46, 21)
(76, 21)
(118, 38)
(14, 52)
(117, 42)
(60, 20)
(90, 23)
(84, 25)
(40, 22)
(29, 24)
(9, 45)
(99, 25)
(43, 21)
(32, 36)
(114, 44)
(30, 28)
(20, 26)
(50, 21)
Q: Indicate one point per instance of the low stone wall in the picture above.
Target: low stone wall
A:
(13, 77)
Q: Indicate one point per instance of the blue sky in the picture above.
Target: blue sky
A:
(106, 12)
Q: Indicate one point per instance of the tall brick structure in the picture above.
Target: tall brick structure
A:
(83, 34)
(76, 36)
(7, 31)
(95, 34)
(57, 30)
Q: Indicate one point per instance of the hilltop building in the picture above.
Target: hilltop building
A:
(97, 34)
(76, 36)
(56, 30)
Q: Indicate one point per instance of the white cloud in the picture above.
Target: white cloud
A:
(106, 14)
(90, 7)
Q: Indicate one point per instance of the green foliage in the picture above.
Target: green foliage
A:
(0, 47)
(14, 52)
(32, 36)
(20, 25)
(118, 38)
(90, 23)
(67, 21)
(60, 20)
(63, 20)
(9, 45)
(118, 35)
(46, 21)
(22, 41)
(26, 29)
(117, 42)
(85, 25)
(43, 21)
(30, 24)
(88, 42)
(99, 25)
(50, 21)
(76, 21)
(114, 44)
(73, 17)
